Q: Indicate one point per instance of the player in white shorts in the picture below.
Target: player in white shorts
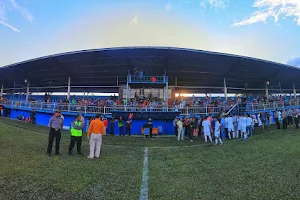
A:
(239, 127)
(243, 120)
(235, 126)
(217, 132)
(230, 127)
(207, 129)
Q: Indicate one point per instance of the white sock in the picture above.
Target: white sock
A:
(210, 138)
(205, 138)
(233, 134)
(216, 141)
(220, 140)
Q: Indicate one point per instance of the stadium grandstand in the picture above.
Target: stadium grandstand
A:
(151, 82)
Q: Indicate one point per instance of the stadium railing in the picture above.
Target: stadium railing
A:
(188, 110)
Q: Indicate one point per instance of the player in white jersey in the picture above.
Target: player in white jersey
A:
(235, 125)
(230, 127)
(243, 121)
(239, 126)
(249, 125)
(217, 132)
(207, 129)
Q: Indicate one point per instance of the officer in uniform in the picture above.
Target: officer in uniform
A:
(56, 123)
(76, 134)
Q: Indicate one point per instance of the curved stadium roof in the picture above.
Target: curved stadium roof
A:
(191, 70)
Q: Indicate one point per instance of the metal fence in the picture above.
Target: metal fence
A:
(189, 110)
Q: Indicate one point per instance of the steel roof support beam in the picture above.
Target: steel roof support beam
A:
(69, 88)
(267, 90)
(27, 92)
(1, 93)
(225, 89)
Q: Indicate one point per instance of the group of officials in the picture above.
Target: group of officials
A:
(287, 117)
(95, 132)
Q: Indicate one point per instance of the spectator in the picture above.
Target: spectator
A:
(121, 126)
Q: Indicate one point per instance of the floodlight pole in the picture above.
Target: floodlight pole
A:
(1, 93)
(69, 88)
(225, 90)
(27, 92)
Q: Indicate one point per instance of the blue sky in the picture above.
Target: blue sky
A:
(267, 29)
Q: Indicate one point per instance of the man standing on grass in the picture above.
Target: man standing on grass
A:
(105, 122)
(121, 126)
(217, 132)
(32, 117)
(207, 129)
(175, 125)
(230, 127)
(223, 124)
(296, 117)
(179, 126)
(284, 117)
(56, 123)
(95, 132)
(249, 125)
(226, 126)
(277, 118)
(128, 127)
(76, 134)
(243, 121)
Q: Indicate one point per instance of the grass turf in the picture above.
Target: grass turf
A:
(264, 167)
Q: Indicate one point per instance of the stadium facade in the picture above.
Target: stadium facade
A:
(165, 70)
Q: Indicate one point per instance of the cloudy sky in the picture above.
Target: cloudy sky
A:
(267, 29)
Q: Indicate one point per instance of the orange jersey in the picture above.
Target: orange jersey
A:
(96, 127)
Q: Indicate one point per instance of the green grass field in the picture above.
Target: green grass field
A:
(264, 167)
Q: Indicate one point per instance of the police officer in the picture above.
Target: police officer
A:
(56, 123)
(76, 134)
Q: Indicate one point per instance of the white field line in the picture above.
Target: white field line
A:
(144, 185)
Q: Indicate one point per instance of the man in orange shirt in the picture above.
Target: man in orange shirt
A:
(95, 132)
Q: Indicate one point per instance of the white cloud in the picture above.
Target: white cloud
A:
(9, 26)
(202, 4)
(294, 62)
(134, 21)
(22, 11)
(273, 9)
(216, 4)
(4, 4)
(168, 6)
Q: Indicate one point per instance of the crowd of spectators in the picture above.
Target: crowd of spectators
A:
(179, 102)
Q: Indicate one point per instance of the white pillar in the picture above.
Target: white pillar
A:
(27, 93)
(69, 88)
(1, 93)
(294, 91)
(225, 89)
(267, 91)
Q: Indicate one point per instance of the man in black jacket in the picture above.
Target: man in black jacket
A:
(32, 117)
